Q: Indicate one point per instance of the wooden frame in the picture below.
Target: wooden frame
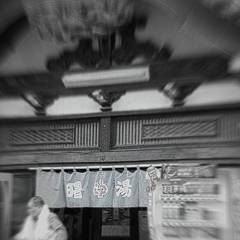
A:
(5, 204)
(202, 134)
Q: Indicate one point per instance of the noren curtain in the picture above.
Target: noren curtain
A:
(94, 188)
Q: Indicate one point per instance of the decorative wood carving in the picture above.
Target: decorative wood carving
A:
(41, 136)
(158, 131)
(182, 71)
(175, 130)
(122, 132)
(119, 48)
(196, 134)
(178, 92)
(84, 56)
(31, 92)
(40, 102)
(105, 98)
(51, 136)
(131, 49)
(179, 129)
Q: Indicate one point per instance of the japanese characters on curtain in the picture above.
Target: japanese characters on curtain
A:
(102, 189)
(126, 189)
(76, 189)
(114, 188)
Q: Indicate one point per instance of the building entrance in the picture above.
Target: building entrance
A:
(105, 223)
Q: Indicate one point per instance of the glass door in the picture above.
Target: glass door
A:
(5, 204)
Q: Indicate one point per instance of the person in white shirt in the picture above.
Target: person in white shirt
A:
(41, 224)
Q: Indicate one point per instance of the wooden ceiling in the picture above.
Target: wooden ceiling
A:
(186, 72)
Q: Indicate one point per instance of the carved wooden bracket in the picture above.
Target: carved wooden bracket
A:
(178, 92)
(39, 102)
(105, 98)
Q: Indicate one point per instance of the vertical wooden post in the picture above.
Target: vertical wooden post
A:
(105, 134)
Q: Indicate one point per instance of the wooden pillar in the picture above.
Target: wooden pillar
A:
(105, 134)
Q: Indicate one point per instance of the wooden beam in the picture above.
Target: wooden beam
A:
(187, 70)
(207, 154)
(213, 108)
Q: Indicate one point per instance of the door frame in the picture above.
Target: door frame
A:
(7, 202)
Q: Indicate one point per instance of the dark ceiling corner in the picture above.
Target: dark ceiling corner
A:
(11, 34)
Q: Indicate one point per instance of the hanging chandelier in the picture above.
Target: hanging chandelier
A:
(65, 20)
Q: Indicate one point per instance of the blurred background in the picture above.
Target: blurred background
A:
(181, 103)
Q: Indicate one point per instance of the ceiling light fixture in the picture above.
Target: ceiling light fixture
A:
(106, 77)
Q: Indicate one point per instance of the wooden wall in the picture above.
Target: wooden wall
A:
(179, 134)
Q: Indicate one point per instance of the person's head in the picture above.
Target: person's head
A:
(35, 206)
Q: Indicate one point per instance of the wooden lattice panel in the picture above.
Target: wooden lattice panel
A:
(88, 134)
(167, 130)
(122, 131)
(128, 132)
(179, 130)
(53, 135)
(41, 136)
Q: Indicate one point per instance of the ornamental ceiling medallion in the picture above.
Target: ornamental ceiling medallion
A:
(104, 31)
